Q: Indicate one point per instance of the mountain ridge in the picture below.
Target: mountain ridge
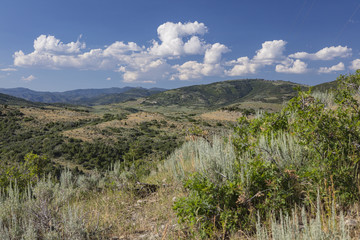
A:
(213, 95)
(224, 93)
(77, 96)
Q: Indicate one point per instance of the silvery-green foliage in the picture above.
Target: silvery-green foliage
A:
(56, 193)
(30, 230)
(10, 209)
(286, 228)
(326, 98)
(73, 223)
(42, 212)
(259, 113)
(90, 182)
(9, 201)
(114, 176)
(52, 235)
(4, 232)
(216, 160)
(283, 148)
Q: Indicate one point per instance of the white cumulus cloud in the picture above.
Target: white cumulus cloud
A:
(50, 44)
(194, 46)
(338, 67)
(213, 54)
(28, 79)
(172, 43)
(355, 64)
(163, 57)
(291, 66)
(134, 62)
(94, 59)
(211, 65)
(327, 53)
(270, 52)
(242, 66)
(8, 69)
(117, 49)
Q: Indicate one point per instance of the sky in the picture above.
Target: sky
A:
(49, 45)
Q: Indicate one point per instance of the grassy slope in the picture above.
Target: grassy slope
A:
(325, 86)
(110, 98)
(225, 93)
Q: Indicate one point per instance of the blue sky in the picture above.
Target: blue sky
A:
(51, 45)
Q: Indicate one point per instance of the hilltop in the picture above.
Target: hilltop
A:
(224, 93)
(10, 100)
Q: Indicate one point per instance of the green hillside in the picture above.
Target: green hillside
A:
(104, 99)
(10, 100)
(225, 93)
(325, 86)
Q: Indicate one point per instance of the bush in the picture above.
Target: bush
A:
(27, 172)
(210, 207)
(306, 153)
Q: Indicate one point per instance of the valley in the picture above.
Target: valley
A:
(134, 166)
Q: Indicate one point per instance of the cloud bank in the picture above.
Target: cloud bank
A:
(163, 58)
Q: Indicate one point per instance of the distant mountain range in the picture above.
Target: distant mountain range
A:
(10, 100)
(212, 95)
(82, 96)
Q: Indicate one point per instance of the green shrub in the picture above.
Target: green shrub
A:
(309, 150)
(210, 207)
(27, 172)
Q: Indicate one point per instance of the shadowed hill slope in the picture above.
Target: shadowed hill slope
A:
(227, 92)
(10, 100)
(82, 96)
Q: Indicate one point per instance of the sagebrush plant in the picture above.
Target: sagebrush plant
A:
(298, 226)
(216, 159)
(46, 209)
(50, 208)
(283, 159)
(326, 98)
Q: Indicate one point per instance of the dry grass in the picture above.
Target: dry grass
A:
(270, 107)
(124, 215)
(87, 134)
(136, 118)
(95, 132)
(91, 133)
(221, 116)
(53, 115)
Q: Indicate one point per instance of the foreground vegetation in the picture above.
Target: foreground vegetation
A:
(292, 174)
(304, 157)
